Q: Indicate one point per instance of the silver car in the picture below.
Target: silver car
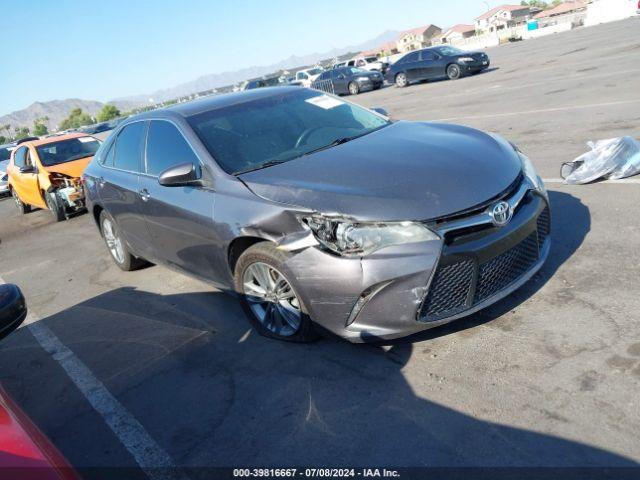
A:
(321, 213)
(4, 179)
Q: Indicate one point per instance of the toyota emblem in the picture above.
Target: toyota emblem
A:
(501, 214)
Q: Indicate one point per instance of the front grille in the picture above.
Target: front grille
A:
(544, 225)
(463, 283)
(503, 270)
(450, 288)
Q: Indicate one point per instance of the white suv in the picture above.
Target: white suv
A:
(368, 63)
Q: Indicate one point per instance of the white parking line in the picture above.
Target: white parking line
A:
(622, 180)
(541, 110)
(155, 462)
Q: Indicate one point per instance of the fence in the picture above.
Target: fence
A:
(325, 86)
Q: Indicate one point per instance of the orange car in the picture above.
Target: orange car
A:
(46, 173)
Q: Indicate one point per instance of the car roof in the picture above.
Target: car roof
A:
(214, 102)
(54, 139)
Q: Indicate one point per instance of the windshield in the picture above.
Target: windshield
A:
(357, 71)
(315, 71)
(371, 59)
(67, 150)
(279, 128)
(448, 51)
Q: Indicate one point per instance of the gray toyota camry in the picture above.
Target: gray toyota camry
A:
(321, 214)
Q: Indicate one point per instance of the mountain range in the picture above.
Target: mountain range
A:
(58, 110)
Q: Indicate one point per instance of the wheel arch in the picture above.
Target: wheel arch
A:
(238, 246)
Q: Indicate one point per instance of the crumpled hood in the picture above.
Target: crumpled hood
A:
(406, 171)
(71, 169)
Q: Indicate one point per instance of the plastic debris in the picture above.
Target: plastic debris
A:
(611, 159)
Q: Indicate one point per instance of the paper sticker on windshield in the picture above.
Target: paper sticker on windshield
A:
(86, 139)
(325, 102)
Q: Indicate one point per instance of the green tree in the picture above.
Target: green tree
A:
(108, 112)
(3, 139)
(40, 126)
(76, 119)
(21, 132)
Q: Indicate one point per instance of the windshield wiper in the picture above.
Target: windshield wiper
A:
(270, 163)
(336, 142)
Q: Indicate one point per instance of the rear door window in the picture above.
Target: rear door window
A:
(427, 55)
(128, 148)
(166, 147)
(412, 57)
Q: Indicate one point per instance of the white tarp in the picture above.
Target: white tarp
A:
(613, 158)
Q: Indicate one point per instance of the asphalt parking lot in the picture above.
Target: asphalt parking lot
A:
(550, 376)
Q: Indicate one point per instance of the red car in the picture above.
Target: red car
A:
(25, 452)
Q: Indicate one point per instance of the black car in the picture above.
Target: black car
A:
(348, 81)
(435, 62)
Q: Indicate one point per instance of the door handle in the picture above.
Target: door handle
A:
(144, 194)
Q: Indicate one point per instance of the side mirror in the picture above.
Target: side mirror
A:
(27, 169)
(381, 111)
(341, 77)
(181, 175)
(13, 308)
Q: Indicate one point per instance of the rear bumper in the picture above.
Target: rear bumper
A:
(390, 293)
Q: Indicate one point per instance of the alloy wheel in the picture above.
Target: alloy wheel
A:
(401, 80)
(353, 88)
(272, 299)
(113, 240)
(16, 198)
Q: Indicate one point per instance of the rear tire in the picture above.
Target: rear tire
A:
(354, 89)
(22, 207)
(55, 205)
(267, 297)
(116, 245)
(454, 72)
(402, 80)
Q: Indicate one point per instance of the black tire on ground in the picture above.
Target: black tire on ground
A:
(124, 259)
(55, 205)
(22, 207)
(454, 72)
(267, 253)
(401, 80)
(354, 88)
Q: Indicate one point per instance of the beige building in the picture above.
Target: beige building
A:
(417, 38)
(457, 33)
(502, 17)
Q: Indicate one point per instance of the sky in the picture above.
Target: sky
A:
(58, 49)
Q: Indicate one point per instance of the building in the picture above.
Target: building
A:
(417, 38)
(563, 8)
(457, 33)
(504, 16)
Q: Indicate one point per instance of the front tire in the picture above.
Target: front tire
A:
(454, 72)
(354, 89)
(120, 254)
(55, 205)
(402, 80)
(267, 296)
(22, 207)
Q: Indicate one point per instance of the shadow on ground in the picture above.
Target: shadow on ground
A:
(213, 393)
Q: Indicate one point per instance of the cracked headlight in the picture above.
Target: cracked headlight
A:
(350, 238)
(529, 171)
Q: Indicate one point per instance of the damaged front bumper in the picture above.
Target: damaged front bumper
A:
(70, 193)
(404, 289)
